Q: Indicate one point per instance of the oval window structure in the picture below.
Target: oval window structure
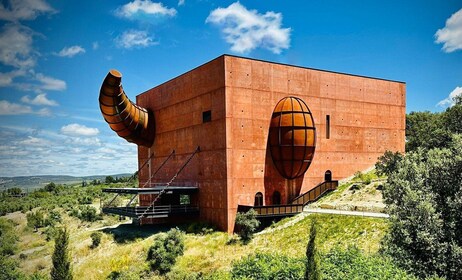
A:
(292, 137)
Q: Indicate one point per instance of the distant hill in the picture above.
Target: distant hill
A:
(34, 182)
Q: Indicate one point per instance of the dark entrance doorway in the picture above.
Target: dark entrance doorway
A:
(258, 199)
(328, 176)
(276, 198)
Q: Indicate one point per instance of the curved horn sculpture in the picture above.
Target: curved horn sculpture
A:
(130, 121)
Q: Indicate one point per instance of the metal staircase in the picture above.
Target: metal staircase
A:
(151, 206)
(296, 205)
(152, 210)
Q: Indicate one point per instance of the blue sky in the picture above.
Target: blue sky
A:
(55, 54)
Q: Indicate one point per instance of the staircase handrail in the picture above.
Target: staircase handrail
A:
(170, 182)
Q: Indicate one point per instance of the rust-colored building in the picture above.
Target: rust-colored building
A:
(226, 105)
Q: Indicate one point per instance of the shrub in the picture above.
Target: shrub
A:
(166, 248)
(201, 228)
(95, 239)
(268, 266)
(51, 233)
(61, 269)
(85, 199)
(35, 220)
(247, 224)
(341, 264)
(8, 237)
(88, 214)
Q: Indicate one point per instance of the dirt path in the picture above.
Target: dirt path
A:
(113, 226)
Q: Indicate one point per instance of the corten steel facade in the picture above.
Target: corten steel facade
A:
(225, 107)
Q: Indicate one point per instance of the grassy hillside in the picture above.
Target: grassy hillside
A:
(125, 247)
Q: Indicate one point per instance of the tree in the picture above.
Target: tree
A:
(50, 187)
(95, 239)
(312, 259)
(109, 179)
(424, 200)
(247, 224)
(426, 130)
(61, 269)
(166, 248)
(388, 163)
(452, 117)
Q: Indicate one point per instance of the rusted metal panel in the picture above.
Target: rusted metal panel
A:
(130, 121)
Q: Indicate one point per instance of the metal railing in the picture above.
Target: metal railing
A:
(152, 212)
(273, 210)
(315, 193)
(296, 205)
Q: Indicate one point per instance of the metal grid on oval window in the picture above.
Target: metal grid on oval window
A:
(292, 137)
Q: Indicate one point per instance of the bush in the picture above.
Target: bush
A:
(95, 239)
(166, 248)
(353, 264)
(247, 224)
(51, 233)
(201, 228)
(35, 220)
(268, 266)
(88, 214)
(8, 237)
(423, 198)
(85, 199)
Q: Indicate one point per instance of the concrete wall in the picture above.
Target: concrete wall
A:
(367, 117)
(178, 106)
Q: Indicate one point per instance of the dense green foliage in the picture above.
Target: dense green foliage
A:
(95, 239)
(247, 224)
(341, 264)
(312, 258)
(64, 196)
(423, 194)
(337, 264)
(428, 130)
(424, 198)
(388, 163)
(163, 253)
(61, 269)
(8, 237)
(268, 266)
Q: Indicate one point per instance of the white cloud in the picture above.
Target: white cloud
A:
(134, 39)
(49, 83)
(95, 45)
(16, 46)
(181, 2)
(87, 141)
(14, 10)
(6, 79)
(75, 129)
(40, 99)
(451, 34)
(70, 51)
(7, 108)
(141, 8)
(34, 141)
(44, 112)
(450, 100)
(246, 29)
